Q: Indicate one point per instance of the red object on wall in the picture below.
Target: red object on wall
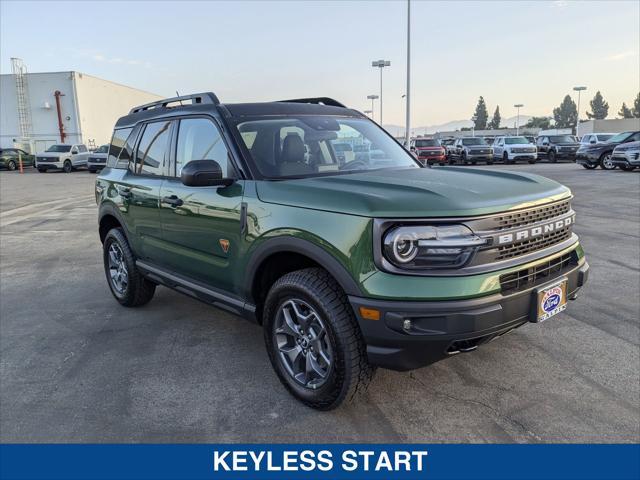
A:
(63, 135)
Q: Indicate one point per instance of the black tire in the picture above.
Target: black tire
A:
(138, 291)
(605, 161)
(473, 162)
(349, 373)
(463, 158)
(11, 165)
(552, 156)
(589, 166)
(532, 161)
(489, 162)
(42, 170)
(67, 167)
(505, 159)
(627, 168)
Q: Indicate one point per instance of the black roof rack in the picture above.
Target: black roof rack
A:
(195, 98)
(316, 100)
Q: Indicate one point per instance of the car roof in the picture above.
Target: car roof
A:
(240, 110)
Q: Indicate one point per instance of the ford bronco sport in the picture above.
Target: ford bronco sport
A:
(347, 265)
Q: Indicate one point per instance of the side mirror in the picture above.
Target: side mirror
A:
(203, 173)
(592, 142)
(413, 149)
(74, 152)
(545, 144)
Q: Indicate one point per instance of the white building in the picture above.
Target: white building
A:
(88, 108)
(612, 125)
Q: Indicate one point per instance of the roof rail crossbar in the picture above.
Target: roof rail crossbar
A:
(195, 98)
(317, 100)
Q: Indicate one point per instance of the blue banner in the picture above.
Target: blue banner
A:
(344, 461)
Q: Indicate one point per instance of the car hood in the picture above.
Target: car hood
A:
(567, 144)
(407, 193)
(51, 154)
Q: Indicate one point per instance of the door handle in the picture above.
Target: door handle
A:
(173, 200)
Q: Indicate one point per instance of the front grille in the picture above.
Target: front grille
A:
(527, 217)
(528, 277)
(538, 243)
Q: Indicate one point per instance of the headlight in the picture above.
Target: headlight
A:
(430, 247)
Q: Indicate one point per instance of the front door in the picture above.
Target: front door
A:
(201, 225)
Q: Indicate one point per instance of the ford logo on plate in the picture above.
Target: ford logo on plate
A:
(551, 299)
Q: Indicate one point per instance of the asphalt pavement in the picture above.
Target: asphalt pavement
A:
(77, 367)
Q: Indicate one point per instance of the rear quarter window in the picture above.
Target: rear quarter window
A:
(120, 149)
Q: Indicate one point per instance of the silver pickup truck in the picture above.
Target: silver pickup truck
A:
(62, 156)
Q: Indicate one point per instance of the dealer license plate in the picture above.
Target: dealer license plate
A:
(551, 300)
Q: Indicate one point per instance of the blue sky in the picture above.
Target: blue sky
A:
(509, 52)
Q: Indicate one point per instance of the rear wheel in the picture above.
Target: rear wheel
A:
(11, 165)
(605, 161)
(313, 340)
(67, 167)
(127, 285)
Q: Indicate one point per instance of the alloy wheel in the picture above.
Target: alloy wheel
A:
(118, 272)
(607, 164)
(302, 343)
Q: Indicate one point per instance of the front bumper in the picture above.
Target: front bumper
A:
(49, 164)
(443, 328)
(523, 156)
(626, 159)
(587, 158)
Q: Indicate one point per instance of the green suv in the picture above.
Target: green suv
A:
(10, 158)
(348, 264)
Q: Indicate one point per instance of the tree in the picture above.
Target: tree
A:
(481, 116)
(494, 124)
(625, 112)
(539, 122)
(599, 108)
(636, 106)
(566, 114)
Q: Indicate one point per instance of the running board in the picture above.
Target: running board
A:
(198, 291)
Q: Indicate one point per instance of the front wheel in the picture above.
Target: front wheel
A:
(627, 168)
(552, 156)
(532, 161)
(11, 165)
(605, 162)
(313, 340)
(127, 285)
(67, 167)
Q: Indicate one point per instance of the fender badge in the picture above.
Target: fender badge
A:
(224, 243)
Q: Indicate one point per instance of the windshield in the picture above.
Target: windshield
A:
(621, 137)
(473, 141)
(427, 143)
(305, 146)
(58, 148)
(516, 141)
(603, 138)
(562, 139)
(102, 149)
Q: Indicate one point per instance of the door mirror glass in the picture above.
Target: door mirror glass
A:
(74, 151)
(203, 173)
(592, 141)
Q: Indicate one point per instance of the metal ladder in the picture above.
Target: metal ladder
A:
(19, 69)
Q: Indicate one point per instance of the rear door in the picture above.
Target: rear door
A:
(201, 225)
(139, 187)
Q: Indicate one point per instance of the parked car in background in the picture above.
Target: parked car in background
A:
(10, 158)
(590, 156)
(471, 150)
(489, 140)
(530, 139)
(98, 159)
(556, 147)
(511, 149)
(593, 138)
(448, 145)
(62, 156)
(428, 150)
(361, 152)
(626, 156)
(344, 152)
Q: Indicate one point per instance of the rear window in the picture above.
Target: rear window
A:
(119, 155)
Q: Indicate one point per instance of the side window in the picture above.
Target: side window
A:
(117, 149)
(634, 138)
(152, 149)
(585, 139)
(82, 148)
(199, 139)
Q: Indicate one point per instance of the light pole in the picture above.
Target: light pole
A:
(402, 98)
(578, 89)
(408, 132)
(372, 98)
(381, 64)
(518, 105)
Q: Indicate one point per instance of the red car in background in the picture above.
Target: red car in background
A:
(428, 150)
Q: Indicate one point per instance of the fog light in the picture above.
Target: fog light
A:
(406, 324)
